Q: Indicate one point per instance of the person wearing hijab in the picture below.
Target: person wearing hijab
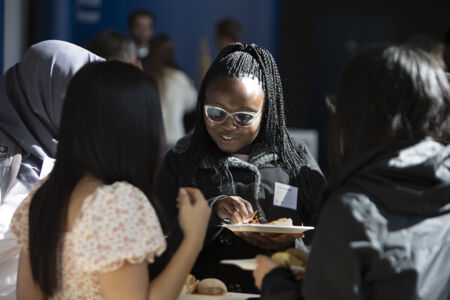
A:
(31, 100)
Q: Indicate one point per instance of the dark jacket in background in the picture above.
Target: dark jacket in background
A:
(253, 181)
(383, 232)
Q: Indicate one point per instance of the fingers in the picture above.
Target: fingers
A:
(268, 240)
(236, 217)
(258, 272)
(299, 235)
(224, 210)
(260, 258)
(256, 239)
(194, 194)
(182, 198)
(234, 208)
(244, 207)
(227, 211)
(299, 275)
(257, 277)
(249, 208)
(301, 254)
(264, 266)
(283, 236)
(242, 234)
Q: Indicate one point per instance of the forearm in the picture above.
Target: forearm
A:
(169, 283)
(26, 287)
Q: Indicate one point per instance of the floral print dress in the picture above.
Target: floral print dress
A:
(116, 224)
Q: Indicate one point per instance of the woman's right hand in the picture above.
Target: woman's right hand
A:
(233, 208)
(264, 265)
(194, 213)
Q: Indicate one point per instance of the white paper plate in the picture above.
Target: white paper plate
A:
(267, 228)
(250, 264)
(235, 296)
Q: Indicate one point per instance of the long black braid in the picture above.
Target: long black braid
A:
(238, 61)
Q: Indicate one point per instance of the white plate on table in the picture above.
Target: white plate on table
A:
(266, 228)
(235, 296)
(250, 264)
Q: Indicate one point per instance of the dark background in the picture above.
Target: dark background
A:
(316, 40)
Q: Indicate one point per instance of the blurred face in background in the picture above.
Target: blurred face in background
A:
(239, 95)
(223, 41)
(142, 29)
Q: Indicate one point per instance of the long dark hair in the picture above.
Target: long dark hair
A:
(111, 128)
(160, 56)
(238, 61)
(387, 94)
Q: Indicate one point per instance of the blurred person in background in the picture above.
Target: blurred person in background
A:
(140, 26)
(177, 93)
(228, 30)
(31, 99)
(113, 45)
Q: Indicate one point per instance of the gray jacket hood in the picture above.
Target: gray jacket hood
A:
(408, 178)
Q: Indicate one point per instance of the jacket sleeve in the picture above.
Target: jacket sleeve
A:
(166, 186)
(310, 180)
(346, 244)
(166, 191)
(281, 284)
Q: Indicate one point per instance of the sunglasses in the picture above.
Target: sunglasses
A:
(240, 118)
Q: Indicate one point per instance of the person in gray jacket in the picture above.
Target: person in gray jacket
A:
(384, 227)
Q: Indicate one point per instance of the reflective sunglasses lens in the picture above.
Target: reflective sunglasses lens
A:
(215, 115)
(243, 119)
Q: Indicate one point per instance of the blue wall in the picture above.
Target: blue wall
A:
(2, 26)
(51, 19)
(185, 21)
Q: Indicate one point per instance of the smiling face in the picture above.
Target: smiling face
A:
(240, 95)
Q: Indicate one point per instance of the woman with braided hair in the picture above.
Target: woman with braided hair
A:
(239, 155)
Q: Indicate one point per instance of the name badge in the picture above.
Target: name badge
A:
(285, 196)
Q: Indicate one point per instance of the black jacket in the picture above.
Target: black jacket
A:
(383, 232)
(253, 181)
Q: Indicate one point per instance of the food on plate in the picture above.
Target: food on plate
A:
(211, 286)
(254, 219)
(190, 285)
(281, 222)
(291, 257)
(208, 286)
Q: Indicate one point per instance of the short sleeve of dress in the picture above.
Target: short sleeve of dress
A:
(19, 222)
(116, 225)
